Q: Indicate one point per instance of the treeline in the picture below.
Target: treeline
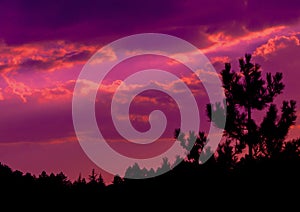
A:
(220, 167)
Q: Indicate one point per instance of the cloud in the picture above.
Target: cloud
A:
(221, 41)
(102, 21)
(139, 118)
(29, 68)
(18, 88)
(174, 87)
(220, 59)
(43, 114)
(107, 54)
(281, 54)
(45, 56)
(50, 141)
(60, 92)
(85, 87)
(275, 44)
(143, 99)
(23, 91)
(1, 95)
(77, 21)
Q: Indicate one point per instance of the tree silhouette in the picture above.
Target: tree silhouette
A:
(93, 177)
(100, 181)
(165, 166)
(80, 184)
(291, 150)
(246, 91)
(273, 130)
(136, 172)
(193, 144)
(227, 156)
(96, 183)
(117, 180)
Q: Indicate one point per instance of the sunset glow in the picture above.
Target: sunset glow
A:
(45, 45)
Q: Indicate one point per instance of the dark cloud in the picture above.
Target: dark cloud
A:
(36, 64)
(77, 20)
(33, 20)
(266, 13)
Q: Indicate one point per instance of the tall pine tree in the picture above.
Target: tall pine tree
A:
(246, 91)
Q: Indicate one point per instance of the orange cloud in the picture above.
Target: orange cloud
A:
(220, 59)
(54, 141)
(276, 43)
(57, 92)
(60, 92)
(42, 57)
(140, 99)
(139, 118)
(47, 56)
(190, 80)
(17, 88)
(221, 40)
(61, 140)
(1, 95)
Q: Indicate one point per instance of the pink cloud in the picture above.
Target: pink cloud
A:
(31, 69)
(220, 59)
(140, 99)
(223, 41)
(17, 88)
(61, 92)
(44, 56)
(1, 95)
(23, 91)
(275, 44)
(139, 118)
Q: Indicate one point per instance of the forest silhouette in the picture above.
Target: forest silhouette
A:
(255, 160)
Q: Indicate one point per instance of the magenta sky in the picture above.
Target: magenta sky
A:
(43, 47)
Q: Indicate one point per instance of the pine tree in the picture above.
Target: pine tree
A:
(100, 181)
(246, 91)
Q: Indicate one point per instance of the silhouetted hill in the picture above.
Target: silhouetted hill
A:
(264, 179)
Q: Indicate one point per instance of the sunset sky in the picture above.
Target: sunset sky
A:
(45, 44)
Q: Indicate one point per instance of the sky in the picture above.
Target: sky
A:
(44, 45)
